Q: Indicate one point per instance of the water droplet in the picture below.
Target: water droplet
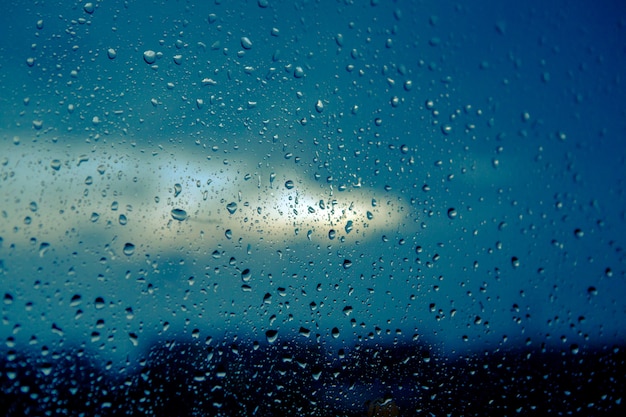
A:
(304, 332)
(347, 310)
(298, 72)
(246, 275)
(339, 39)
(8, 298)
(179, 214)
(349, 226)
(123, 220)
(452, 213)
(246, 43)
(99, 303)
(267, 298)
(43, 248)
(178, 59)
(89, 8)
(129, 249)
(231, 207)
(177, 189)
(319, 106)
(332, 234)
(515, 262)
(149, 56)
(335, 332)
(347, 263)
(55, 164)
(76, 300)
(111, 53)
(271, 335)
(46, 368)
(94, 217)
(289, 184)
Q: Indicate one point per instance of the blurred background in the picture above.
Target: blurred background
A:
(496, 130)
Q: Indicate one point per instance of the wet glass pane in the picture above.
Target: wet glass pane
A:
(348, 208)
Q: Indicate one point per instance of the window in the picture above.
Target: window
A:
(324, 207)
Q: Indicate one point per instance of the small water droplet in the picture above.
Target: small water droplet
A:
(289, 184)
(452, 213)
(89, 8)
(111, 53)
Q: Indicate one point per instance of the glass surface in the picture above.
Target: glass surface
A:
(325, 207)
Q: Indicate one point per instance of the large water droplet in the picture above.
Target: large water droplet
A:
(231, 207)
(246, 275)
(271, 335)
(129, 249)
(177, 189)
(246, 43)
(149, 56)
(179, 214)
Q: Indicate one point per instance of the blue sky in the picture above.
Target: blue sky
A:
(512, 117)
